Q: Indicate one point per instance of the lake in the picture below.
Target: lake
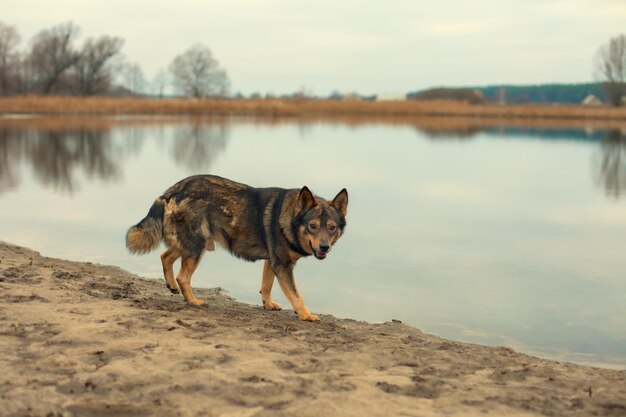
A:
(499, 236)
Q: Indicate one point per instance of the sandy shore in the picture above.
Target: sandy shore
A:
(78, 339)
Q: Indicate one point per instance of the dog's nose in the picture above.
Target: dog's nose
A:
(324, 248)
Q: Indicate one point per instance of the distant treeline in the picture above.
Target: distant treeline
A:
(542, 93)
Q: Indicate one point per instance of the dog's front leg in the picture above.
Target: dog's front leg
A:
(288, 285)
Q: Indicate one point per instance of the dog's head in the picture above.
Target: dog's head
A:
(319, 223)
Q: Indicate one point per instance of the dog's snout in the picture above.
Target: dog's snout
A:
(324, 247)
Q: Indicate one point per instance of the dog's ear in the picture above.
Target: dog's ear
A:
(305, 200)
(340, 202)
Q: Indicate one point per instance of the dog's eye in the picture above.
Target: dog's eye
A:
(332, 228)
(312, 226)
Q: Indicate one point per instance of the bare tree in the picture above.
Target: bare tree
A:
(159, 83)
(26, 75)
(133, 78)
(197, 73)
(9, 39)
(93, 68)
(611, 68)
(52, 54)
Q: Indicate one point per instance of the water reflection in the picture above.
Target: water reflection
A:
(10, 158)
(611, 171)
(59, 156)
(465, 132)
(608, 167)
(198, 143)
(56, 158)
(59, 153)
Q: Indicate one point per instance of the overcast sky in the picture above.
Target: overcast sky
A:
(392, 46)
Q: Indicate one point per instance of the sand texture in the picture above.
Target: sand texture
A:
(79, 339)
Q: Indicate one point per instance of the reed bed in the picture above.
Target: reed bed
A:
(300, 108)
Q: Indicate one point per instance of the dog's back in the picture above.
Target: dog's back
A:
(200, 211)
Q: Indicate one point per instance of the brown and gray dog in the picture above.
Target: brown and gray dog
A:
(275, 224)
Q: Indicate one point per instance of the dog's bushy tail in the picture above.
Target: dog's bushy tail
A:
(146, 235)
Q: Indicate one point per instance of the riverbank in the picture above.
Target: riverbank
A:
(432, 126)
(84, 339)
(50, 105)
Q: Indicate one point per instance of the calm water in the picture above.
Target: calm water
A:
(503, 237)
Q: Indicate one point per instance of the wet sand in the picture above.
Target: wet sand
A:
(79, 339)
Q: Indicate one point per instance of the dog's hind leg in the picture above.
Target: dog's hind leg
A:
(188, 266)
(167, 259)
(266, 287)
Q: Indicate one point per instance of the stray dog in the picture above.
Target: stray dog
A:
(275, 224)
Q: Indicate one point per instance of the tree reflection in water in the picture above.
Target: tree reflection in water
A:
(11, 153)
(198, 143)
(611, 170)
(59, 157)
(60, 153)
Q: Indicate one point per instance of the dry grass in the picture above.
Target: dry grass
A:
(282, 108)
(432, 116)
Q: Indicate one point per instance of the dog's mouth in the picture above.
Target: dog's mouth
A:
(318, 254)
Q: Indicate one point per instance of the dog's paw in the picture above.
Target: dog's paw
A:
(173, 290)
(271, 305)
(309, 317)
(196, 302)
